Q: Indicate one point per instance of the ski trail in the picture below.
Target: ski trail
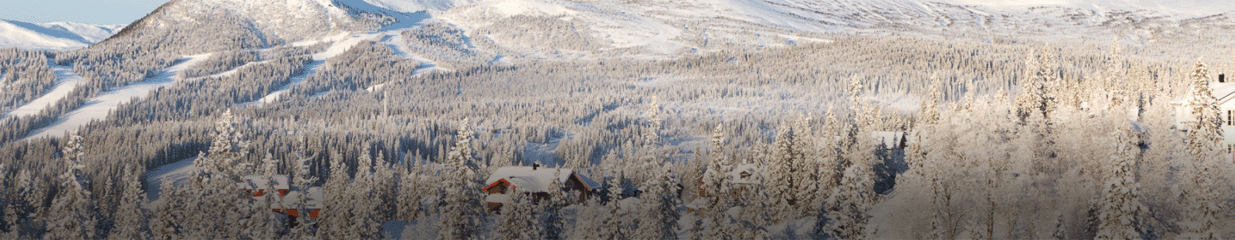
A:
(101, 105)
(66, 81)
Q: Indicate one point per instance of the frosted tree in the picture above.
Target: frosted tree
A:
(716, 182)
(1036, 96)
(463, 213)
(169, 213)
(1205, 131)
(518, 221)
(651, 134)
(617, 226)
(849, 205)
(72, 211)
(334, 218)
(409, 196)
(227, 148)
(590, 222)
(269, 165)
(658, 212)
(552, 220)
(132, 222)
(264, 223)
(1120, 202)
(364, 222)
(782, 186)
(1204, 136)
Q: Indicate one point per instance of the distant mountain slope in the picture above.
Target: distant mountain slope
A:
(52, 36)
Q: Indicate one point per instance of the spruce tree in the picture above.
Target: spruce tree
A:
(552, 220)
(72, 211)
(132, 221)
(1120, 204)
(658, 212)
(1204, 136)
(463, 213)
(716, 187)
(518, 221)
(617, 224)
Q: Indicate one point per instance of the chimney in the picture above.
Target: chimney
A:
(1221, 77)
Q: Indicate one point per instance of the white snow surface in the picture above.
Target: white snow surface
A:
(100, 106)
(66, 81)
(177, 172)
(53, 36)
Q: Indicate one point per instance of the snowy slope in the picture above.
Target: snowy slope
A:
(66, 81)
(52, 36)
(100, 106)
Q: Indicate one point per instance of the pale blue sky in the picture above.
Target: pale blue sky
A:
(83, 11)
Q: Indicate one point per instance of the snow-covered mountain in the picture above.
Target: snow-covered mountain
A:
(52, 36)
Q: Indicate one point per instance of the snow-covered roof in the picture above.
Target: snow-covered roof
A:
(259, 182)
(525, 179)
(291, 201)
(1222, 92)
(747, 168)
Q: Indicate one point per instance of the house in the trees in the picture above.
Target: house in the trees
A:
(288, 198)
(743, 174)
(1223, 92)
(256, 185)
(290, 204)
(534, 180)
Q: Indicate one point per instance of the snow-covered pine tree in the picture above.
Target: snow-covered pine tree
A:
(409, 195)
(658, 212)
(849, 205)
(518, 221)
(463, 214)
(1204, 136)
(590, 221)
(167, 215)
(617, 224)
(1205, 131)
(716, 182)
(71, 215)
(364, 222)
(552, 220)
(334, 218)
(264, 224)
(1120, 204)
(269, 165)
(385, 187)
(227, 148)
(651, 134)
(781, 185)
(132, 222)
(806, 167)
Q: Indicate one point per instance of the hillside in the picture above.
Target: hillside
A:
(52, 36)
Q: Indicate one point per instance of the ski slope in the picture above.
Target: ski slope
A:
(177, 172)
(66, 81)
(102, 105)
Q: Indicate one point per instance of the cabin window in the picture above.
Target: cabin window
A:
(1229, 121)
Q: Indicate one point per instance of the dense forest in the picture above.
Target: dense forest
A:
(1006, 139)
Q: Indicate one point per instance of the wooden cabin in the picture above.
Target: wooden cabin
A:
(534, 180)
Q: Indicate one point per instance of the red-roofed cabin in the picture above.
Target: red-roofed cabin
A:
(533, 180)
(250, 183)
